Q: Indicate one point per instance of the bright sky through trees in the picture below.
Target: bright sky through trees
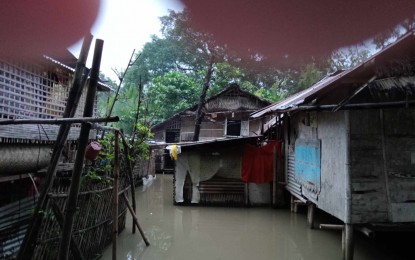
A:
(125, 25)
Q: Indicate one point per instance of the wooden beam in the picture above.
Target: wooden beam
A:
(129, 173)
(135, 219)
(59, 121)
(14, 177)
(331, 226)
(357, 91)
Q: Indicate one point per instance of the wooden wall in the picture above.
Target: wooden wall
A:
(383, 165)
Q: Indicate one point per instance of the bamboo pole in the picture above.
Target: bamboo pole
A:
(59, 121)
(135, 220)
(121, 78)
(115, 196)
(28, 244)
(140, 90)
(80, 155)
(130, 174)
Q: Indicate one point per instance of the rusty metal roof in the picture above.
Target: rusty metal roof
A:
(299, 97)
(333, 88)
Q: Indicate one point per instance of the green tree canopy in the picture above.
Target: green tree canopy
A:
(173, 68)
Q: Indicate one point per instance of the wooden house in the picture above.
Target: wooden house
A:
(226, 114)
(350, 143)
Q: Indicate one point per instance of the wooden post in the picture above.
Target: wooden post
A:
(135, 220)
(310, 215)
(28, 244)
(71, 204)
(115, 196)
(274, 174)
(292, 203)
(130, 173)
(349, 241)
(246, 194)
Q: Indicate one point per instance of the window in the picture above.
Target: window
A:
(233, 127)
(173, 136)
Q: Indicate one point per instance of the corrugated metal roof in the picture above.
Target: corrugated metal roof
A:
(346, 81)
(299, 97)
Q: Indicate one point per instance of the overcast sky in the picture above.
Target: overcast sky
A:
(125, 25)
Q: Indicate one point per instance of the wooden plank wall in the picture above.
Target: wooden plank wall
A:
(369, 199)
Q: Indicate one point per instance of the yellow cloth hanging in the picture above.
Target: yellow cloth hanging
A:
(174, 152)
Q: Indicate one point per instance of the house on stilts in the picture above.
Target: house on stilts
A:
(350, 144)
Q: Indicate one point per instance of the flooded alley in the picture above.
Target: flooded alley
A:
(192, 232)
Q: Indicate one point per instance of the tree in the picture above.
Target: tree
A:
(348, 57)
(388, 36)
(170, 94)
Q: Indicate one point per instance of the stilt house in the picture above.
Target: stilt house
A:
(350, 143)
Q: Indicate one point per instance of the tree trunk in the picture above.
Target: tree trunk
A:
(199, 113)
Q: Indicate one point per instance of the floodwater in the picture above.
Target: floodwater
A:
(213, 233)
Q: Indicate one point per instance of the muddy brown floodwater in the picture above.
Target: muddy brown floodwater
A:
(213, 233)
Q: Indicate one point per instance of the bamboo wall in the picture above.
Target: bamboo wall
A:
(35, 91)
(92, 228)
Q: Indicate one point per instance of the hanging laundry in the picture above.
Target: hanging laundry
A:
(174, 150)
(257, 162)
